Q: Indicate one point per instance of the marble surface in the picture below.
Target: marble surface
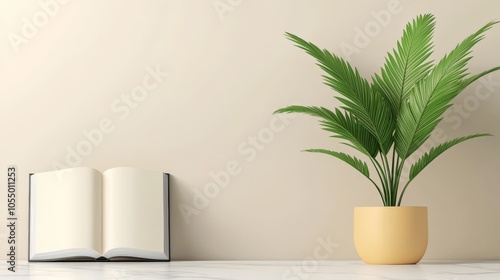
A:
(258, 270)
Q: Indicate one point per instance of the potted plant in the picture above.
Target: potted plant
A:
(387, 120)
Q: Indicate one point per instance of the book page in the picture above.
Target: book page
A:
(66, 211)
(133, 212)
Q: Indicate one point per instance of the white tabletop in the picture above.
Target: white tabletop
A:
(255, 270)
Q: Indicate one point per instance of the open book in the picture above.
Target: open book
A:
(82, 214)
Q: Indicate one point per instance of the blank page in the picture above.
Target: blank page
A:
(66, 212)
(133, 210)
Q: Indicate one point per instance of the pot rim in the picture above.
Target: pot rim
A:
(388, 207)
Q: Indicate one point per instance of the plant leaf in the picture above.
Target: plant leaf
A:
(368, 107)
(473, 78)
(407, 64)
(343, 126)
(432, 95)
(358, 164)
(428, 157)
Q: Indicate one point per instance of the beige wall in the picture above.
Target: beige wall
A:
(228, 70)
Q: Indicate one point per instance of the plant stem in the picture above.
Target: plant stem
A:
(402, 193)
(388, 176)
(394, 173)
(383, 181)
(378, 189)
(397, 168)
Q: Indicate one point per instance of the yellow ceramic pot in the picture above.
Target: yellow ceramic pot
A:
(390, 235)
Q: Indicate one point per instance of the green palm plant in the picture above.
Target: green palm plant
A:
(390, 118)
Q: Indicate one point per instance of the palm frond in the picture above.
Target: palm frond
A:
(407, 64)
(432, 96)
(358, 164)
(343, 126)
(428, 157)
(369, 108)
(400, 109)
(473, 78)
